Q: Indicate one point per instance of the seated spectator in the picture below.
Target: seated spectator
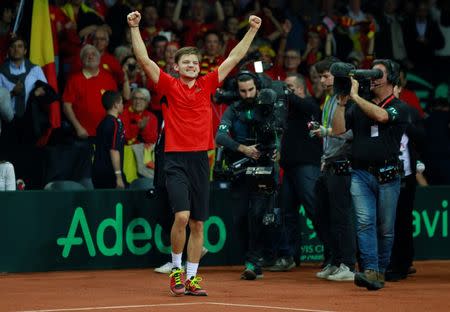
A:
(141, 126)
(109, 142)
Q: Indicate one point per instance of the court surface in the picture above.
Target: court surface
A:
(139, 290)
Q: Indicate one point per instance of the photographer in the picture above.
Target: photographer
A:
(378, 126)
(334, 213)
(134, 77)
(238, 134)
(300, 160)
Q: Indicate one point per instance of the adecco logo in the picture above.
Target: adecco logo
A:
(137, 230)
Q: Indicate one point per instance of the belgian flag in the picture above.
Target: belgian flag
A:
(42, 54)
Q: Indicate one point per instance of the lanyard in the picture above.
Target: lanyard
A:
(387, 101)
(326, 110)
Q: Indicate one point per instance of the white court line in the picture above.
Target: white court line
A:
(177, 304)
(115, 307)
(265, 307)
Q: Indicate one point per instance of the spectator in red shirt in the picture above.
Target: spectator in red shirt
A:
(141, 126)
(189, 135)
(409, 96)
(83, 94)
(195, 28)
(107, 61)
(212, 57)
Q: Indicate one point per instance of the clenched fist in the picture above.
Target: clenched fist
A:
(133, 19)
(254, 21)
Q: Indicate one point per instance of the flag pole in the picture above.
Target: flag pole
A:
(19, 16)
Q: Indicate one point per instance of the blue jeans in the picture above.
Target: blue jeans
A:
(375, 207)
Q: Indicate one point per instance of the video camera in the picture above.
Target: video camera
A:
(266, 115)
(342, 83)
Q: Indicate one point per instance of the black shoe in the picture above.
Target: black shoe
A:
(283, 264)
(369, 279)
(394, 276)
(251, 272)
(412, 270)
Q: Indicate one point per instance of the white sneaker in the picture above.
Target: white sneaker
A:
(165, 268)
(326, 271)
(342, 274)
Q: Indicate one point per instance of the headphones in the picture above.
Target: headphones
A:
(252, 75)
(393, 70)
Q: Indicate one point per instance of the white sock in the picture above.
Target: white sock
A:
(191, 269)
(176, 260)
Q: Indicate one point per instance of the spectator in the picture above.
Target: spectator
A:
(6, 19)
(107, 61)
(21, 79)
(109, 142)
(134, 76)
(141, 126)
(195, 27)
(80, 23)
(82, 96)
(423, 36)
(211, 56)
(150, 29)
(389, 42)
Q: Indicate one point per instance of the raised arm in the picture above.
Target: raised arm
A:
(140, 51)
(240, 49)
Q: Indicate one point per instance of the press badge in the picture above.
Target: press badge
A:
(373, 131)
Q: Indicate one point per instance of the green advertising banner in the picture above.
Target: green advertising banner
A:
(62, 230)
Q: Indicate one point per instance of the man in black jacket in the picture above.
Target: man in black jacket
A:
(300, 160)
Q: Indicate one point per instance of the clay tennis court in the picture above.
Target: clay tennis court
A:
(143, 290)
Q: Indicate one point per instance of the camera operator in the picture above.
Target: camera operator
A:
(237, 133)
(300, 160)
(334, 213)
(378, 126)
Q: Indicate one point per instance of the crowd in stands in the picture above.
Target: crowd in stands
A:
(93, 53)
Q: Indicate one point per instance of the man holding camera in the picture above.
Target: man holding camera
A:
(238, 134)
(334, 212)
(378, 126)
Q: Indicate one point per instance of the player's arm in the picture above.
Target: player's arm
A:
(239, 51)
(140, 51)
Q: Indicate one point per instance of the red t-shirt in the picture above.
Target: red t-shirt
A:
(188, 114)
(410, 98)
(107, 62)
(133, 134)
(86, 98)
